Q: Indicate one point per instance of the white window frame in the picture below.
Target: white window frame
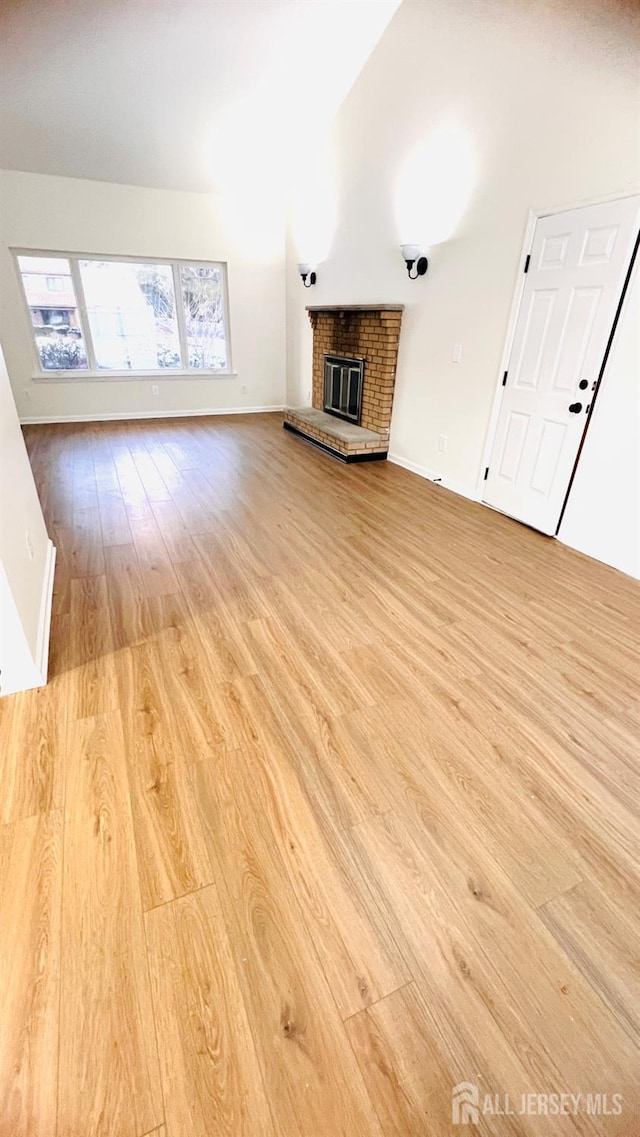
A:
(95, 374)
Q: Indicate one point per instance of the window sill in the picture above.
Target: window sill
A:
(126, 376)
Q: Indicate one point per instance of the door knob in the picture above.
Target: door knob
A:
(575, 408)
(583, 384)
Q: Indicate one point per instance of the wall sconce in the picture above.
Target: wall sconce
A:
(413, 255)
(307, 273)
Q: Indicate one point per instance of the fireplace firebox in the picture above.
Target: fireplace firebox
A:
(343, 381)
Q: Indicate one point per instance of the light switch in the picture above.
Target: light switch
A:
(456, 354)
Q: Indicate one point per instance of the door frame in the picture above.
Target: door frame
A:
(533, 217)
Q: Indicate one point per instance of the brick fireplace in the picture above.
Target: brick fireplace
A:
(345, 336)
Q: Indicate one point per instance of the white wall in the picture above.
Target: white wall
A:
(26, 574)
(602, 517)
(527, 104)
(67, 214)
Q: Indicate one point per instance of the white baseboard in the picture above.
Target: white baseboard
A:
(125, 416)
(433, 476)
(44, 621)
(21, 669)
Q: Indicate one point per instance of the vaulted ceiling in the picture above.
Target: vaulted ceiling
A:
(175, 93)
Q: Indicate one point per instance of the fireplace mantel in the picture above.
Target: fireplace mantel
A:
(355, 307)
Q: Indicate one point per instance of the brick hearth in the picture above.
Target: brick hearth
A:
(367, 331)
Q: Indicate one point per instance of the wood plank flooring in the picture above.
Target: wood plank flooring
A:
(331, 804)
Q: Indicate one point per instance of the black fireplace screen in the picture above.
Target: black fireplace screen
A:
(343, 386)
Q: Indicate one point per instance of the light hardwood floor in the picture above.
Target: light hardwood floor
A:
(331, 803)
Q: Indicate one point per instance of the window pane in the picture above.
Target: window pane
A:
(203, 302)
(132, 315)
(54, 313)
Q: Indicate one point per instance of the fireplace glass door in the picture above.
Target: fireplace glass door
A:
(343, 386)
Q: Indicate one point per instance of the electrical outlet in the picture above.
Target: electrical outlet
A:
(29, 544)
(443, 442)
(154, 389)
(244, 388)
(26, 395)
(456, 353)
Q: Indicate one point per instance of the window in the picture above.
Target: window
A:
(202, 302)
(57, 331)
(119, 317)
(131, 309)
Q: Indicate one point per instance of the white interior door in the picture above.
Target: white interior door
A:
(576, 273)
